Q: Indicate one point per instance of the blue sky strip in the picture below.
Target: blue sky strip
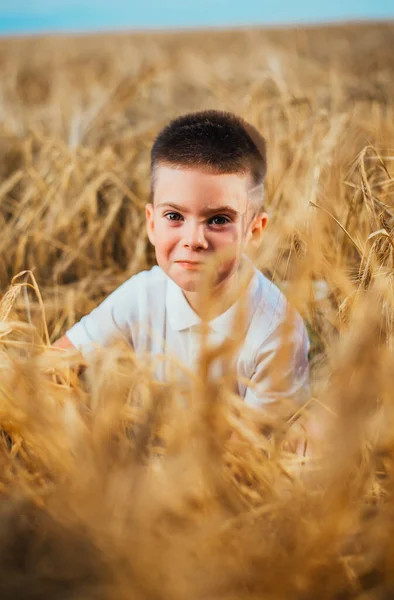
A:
(36, 16)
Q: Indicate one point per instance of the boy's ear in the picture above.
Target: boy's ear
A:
(150, 223)
(256, 229)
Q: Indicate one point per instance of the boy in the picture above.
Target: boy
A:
(207, 176)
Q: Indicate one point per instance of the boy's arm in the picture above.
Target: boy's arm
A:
(63, 342)
(281, 379)
(281, 368)
(105, 323)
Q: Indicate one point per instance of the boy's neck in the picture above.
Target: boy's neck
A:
(223, 296)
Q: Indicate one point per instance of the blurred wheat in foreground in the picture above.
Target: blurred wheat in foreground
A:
(115, 486)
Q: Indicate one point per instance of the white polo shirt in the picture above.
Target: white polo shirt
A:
(152, 313)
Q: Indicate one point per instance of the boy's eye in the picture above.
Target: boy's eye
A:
(219, 220)
(173, 216)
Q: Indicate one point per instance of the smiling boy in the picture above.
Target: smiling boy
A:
(207, 177)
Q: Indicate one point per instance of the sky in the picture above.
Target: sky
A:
(41, 16)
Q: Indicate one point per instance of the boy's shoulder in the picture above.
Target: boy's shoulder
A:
(272, 301)
(150, 281)
(272, 307)
(139, 293)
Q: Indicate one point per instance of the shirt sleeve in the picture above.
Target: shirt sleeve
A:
(106, 323)
(281, 366)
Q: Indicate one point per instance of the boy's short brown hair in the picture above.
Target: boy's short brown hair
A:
(219, 141)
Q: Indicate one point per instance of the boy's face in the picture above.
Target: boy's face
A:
(197, 215)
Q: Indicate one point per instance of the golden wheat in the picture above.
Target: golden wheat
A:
(113, 485)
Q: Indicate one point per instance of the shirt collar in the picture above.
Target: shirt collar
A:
(181, 315)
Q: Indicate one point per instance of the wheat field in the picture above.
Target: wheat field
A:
(110, 487)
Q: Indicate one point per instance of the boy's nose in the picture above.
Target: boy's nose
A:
(195, 238)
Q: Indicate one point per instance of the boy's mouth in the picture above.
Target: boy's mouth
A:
(189, 264)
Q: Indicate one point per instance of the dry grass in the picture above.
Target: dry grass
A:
(113, 485)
